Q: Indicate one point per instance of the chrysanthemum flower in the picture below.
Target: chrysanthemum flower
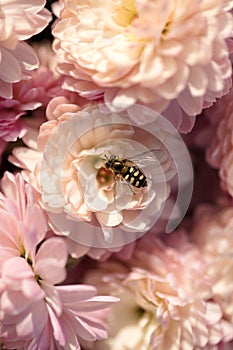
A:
(25, 98)
(146, 51)
(212, 232)
(166, 297)
(19, 20)
(23, 223)
(36, 314)
(75, 185)
(32, 95)
(220, 149)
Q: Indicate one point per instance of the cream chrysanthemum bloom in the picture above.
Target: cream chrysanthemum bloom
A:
(212, 232)
(165, 294)
(85, 200)
(147, 51)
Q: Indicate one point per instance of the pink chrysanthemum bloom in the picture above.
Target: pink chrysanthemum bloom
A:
(36, 314)
(220, 149)
(25, 98)
(78, 191)
(46, 81)
(20, 213)
(151, 52)
(32, 95)
(19, 20)
(165, 299)
(212, 232)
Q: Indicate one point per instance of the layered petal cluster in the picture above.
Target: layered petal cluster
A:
(220, 149)
(23, 223)
(19, 20)
(152, 52)
(31, 95)
(36, 314)
(212, 232)
(166, 295)
(25, 98)
(76, 186)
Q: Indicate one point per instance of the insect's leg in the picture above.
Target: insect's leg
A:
(131, 189)
(130, 186)
(114, 191)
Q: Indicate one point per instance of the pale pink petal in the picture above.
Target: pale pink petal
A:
(58, 328)
(77, 293)
(29, 19)
(51, 259)
(10, 70)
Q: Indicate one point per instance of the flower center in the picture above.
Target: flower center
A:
(105, 177)
(126, 13)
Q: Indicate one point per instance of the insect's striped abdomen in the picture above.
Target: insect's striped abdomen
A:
(130, 173)
(134, 176)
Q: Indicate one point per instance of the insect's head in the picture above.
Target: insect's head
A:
(109, 161)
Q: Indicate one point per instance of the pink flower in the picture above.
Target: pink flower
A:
(24, 99)
(220, 149)
(166, 297)
(32, 95)
(212, 232)
(19, 20)
(2, 147)
(151, 52)
(46, 83)
(34, 312)
(23, 223)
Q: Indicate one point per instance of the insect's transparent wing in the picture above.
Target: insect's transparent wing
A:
(156, 164)
(123, 195)
(147, 158)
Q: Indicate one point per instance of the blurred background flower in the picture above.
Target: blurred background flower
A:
(166, 294)
(212, 232)
(220, 149)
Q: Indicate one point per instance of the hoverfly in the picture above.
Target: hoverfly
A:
(129, 170)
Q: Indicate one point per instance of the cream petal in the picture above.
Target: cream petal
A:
(109, 219)
(198, 81)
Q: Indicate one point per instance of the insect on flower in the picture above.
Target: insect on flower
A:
(129, 170)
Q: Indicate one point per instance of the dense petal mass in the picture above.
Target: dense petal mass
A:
(163, 308)
(152, 52)
(220, 148)
(212, 232)
(29, 95)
